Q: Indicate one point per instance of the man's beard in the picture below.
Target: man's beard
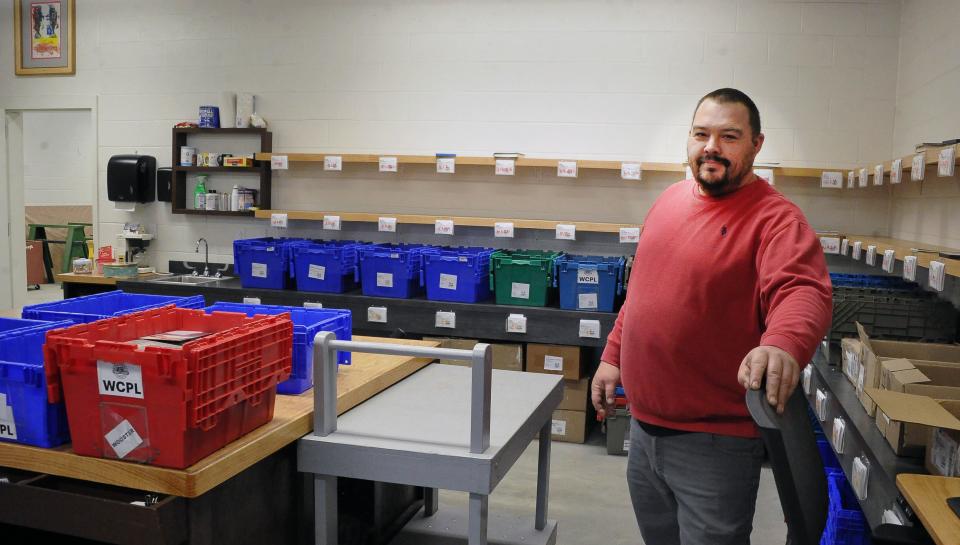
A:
(724, 185)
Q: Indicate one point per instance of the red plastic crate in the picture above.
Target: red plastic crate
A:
(169, 406)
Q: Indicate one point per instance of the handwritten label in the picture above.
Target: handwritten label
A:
(251, 300)
(857, 250)
(278, 220)
(566, 231)
(631, 171)
(586, 301)
(387, 225)
(123, 439)
(871, 255)
(558, 427)
(831, 180)
(878, 175)
(279, 162)
(448, 281)
(937, 273)
(443, 227)
(896, 171)
(516, 323)
(888, 261)
(519, 290)
(918, 166)
(503, 229)
(946, 161)
(446, 319)
(552, 363)
(377, 314)
(388, 164)
(844, 246)
(446, 165)
(331, 223)
(505, 167)
(629, 235)
(567, 169)
(910, 268)
(830, 245)
(333, 162)
(590, 329)
(312, 304)
(384, 280)
(258, 270)
(864, 178)
(317, 272)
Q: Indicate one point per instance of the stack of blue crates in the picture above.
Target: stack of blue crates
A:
(90, 308)
(392, 270)
(26, 415)
(589, 282)
(846, 524)
(306, 324)
(457, 274)
(264, 262)
(325, 266)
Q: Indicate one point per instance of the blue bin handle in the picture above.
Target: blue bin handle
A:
(555, 273)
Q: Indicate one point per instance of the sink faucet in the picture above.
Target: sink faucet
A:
(206, 256)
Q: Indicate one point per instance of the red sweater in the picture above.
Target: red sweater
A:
(714, 278)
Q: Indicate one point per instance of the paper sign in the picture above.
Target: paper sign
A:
(910, 268)
(630, 171)
(279, 162)
(937, 269)
(864, 178)
(123, 439)
(384, 280)
(251, 300)
(331, 223)
(312, 304)
(567, 169)
(558, 427)
(896, 171)
(830, 245)
(552, 363)
(888, 261)
(446, 165)
(821, 405)
(590, 329)
(851, 180)
(317, 272)
(443, 227)
(839, 429)
(519, 290)
(505, 167)
(629, 235)
(332, 162)
(588, 276)
(448, 281)
(258, 270)
(377, 314)
(119, 379)
(871, 255)
(586, 301)
(918, 166)
(946, 161)
(278, 220)
(857, 250)
(831, 180)
(878, 175)
(765, 173)
(387, 225)
(503, 229)
(844, 246)
(8, 426)
(446, 319)
(516, 323)
(566, 232)
(388, 164)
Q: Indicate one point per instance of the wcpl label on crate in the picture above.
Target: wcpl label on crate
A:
(119, 379)
(8, 428)
(588, 276)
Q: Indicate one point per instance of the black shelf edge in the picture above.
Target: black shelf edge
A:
(252, 170)
(197, 130)
(243, 213)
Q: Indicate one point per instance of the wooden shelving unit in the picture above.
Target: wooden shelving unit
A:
(907, 247)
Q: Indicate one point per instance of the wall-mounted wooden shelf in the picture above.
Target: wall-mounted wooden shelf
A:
(932, 157)
(582, 226)
(906, 247)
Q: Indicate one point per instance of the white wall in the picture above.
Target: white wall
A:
(58, 154)
(612, 79)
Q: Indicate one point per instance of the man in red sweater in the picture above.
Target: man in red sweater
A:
(729, 286)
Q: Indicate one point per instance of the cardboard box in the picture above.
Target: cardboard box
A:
(555, 360)
(576, 395)
(850, 350)
(896, 373)
(508, 357)
(868, 374)
(931, 379)
(569, 426)
(895, 409)
(943, 446)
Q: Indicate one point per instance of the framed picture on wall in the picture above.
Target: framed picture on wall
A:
(44, 33)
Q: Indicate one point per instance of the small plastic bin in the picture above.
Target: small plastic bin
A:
(25, 414)
(457, 274)
(589, 282)
(522, 277)
(846, 524)
(306, 324)
(392, 270)
(325, 266)
(264, 262)
(9, 325)
(90, 308)
(163, 404)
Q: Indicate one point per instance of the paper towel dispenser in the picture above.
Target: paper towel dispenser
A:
(132, 178)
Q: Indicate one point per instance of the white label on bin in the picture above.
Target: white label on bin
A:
(864, 178)
(937, 269)
(519, 290)
(839, 426)
(553, 363)
(251, 300)
(123, 439)
(312, 304)
(587, 301)
(317, 272)
(844, 246)
(946, 161)
(331, 223)
(446, 165)
(384, 280)
(279, 162)
(558, 427)
(588, 276)
(258, 270)
(871, 255)
(567, 169)
(443, 227)
(590, 329)
(896, 171)
(8, 428)
(857, 250)
(448, 281)
(503, 229)
(120, 379)
(830, 245)
(630, 171)
(278, 220)
(888, 260)
(910, 268)
(333, 162)
(918, 166)
(831, 180)
(377, 314)
(878, 175)
(505, 167)
(566, 232)
(387, 225)
(516, 323)
(626, 445)
(388, 164)
(629, 235)
(446, 319)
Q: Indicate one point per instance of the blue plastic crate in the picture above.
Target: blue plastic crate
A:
(307, 322)
(8, 325)
(90, 308)
(589, 282)
(457, 274)
(846, 524)
(830, 461)
(325, 266)
(25, 414)
(264, 262)
(392, 270)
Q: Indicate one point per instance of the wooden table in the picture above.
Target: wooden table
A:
(927, 495)
(76, 285)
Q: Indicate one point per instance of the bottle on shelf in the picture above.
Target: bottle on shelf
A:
(235, 198)
(211, 201)
(200, 193)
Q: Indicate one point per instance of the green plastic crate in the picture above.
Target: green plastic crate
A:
(522, 277)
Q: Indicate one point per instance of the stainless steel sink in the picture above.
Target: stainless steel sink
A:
(188, 279)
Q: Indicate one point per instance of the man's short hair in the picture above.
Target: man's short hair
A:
(728, 95)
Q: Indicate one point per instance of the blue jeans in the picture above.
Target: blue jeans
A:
(693, 488)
